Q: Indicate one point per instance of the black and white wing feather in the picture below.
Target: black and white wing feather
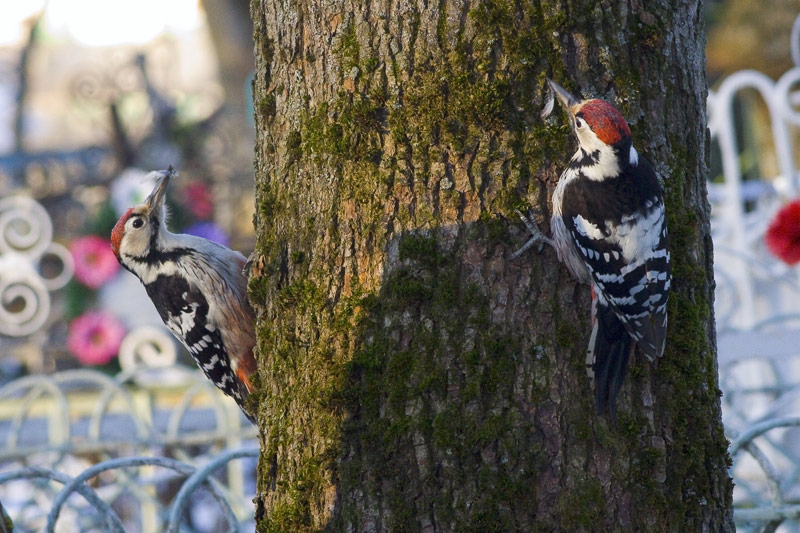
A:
(627, 258)
(185, 311)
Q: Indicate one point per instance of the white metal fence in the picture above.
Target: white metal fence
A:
(83, 451)
(758, 300)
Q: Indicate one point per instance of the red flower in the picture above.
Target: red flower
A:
(95, 263)
(198, 198)
(94, 337)
(783, 234)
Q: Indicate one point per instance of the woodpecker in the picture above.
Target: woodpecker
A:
(609, 229)
(198, 288)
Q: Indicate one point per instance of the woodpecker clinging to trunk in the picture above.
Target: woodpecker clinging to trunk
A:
(198, 288)
(609, 229)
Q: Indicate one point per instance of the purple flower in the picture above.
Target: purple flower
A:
(95, 263)
(94, 337)
(210, 231)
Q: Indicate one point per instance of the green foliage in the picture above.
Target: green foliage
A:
(77, 297)
(103, 222)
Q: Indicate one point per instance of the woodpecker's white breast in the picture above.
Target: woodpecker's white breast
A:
(564, 244)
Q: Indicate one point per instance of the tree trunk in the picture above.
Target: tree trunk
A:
(412, 377)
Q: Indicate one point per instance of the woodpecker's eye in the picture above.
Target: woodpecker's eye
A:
(137, 223)
(579, 123)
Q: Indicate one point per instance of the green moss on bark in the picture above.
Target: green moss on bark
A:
(404, 165)
(426, 322)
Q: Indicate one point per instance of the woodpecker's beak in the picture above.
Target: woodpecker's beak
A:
(156, 200)
(566, 99)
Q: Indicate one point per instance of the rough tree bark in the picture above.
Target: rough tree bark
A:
(411, 376)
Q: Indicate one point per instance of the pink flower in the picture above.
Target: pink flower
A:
(198, 198)
(94, 337)
(783, 234)
(95, 263)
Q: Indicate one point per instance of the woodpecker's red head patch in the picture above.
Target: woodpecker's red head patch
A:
(604, 119)
(119, 231)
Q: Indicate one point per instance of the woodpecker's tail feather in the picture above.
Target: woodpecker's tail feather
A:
(651, 333)
(241, 401)
(607, 358)
(250, 417)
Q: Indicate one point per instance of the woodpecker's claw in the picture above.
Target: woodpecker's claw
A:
(536, 236)
(253, 266)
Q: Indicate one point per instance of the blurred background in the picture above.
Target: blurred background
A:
(96, 93)
(93, 95)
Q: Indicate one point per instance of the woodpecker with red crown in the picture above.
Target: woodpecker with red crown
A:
(609, 229)
(198, 288)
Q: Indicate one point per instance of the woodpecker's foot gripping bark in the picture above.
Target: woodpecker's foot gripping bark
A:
(536, 235)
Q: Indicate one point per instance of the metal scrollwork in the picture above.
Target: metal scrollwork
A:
(26, 234)
(25, 227)
(146, 346)
(84, 451)
(757, 313)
